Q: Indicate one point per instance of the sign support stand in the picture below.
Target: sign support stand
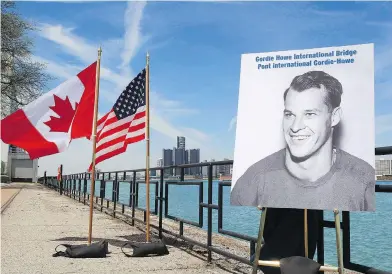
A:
(257, 262)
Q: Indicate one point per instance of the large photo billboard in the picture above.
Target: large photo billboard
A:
(305, 132)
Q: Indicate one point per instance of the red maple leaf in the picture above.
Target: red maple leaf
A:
(64, 109)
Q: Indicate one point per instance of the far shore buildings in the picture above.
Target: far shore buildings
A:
(18, 166)
(384, 166)
(179, 156)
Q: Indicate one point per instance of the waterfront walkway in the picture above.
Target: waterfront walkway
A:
(38, 219)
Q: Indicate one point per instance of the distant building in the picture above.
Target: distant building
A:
(224, 169)
(205, 169)
(167, 158)
(179, 159)
(194, 157)
(180, 142)
(187, 170)
(383, 167)
(214, 169)
(20, 168)
(160, 162)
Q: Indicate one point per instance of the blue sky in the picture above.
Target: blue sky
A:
(195, 53)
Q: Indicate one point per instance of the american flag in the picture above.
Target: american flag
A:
(125, 123)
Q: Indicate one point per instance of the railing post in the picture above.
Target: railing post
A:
(61, 180)
(130, 191)
(74, 186)
(346, 238)
(134, 198)
(69, 186)
(160, 202)
(182, 174)
(102, 192)
(115, 194)
(320, 241)
(209, 236)
(80, 185)
(118, 187)
(84, 188)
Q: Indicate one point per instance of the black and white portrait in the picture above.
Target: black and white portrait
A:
(319, 153)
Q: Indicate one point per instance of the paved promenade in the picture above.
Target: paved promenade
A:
(37, 220)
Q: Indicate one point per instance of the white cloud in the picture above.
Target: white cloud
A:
(384, 89)
(387, 24)
(167, 106)
(196, 134)
(132, 37)
(76, 46)
(63, 71)
(71, 43)
(158, 123)
(332, 13)
(383, 123)
(383, 56)
(78, 157)
(232, 123)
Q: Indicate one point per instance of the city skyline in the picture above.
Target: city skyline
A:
(180, 155)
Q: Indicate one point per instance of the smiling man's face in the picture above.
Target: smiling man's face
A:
(307, 122)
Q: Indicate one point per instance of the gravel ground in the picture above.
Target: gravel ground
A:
(39, 219)
(232, 245)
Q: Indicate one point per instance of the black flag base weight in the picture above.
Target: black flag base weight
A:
(94, 250)
(146, 249)
(287, 242)
(100, 249)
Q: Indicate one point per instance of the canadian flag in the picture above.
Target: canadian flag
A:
(47, 125)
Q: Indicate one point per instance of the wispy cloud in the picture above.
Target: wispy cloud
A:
(383, 61)
(63, 71)
(232, 123)
(168, 106)
(78, 47)
(383, 123)
(133, 37)
(69, 42)
(331, 13)
(387, 24)
(384, 89)
(163, 126)
(112, 81)
(196, 134)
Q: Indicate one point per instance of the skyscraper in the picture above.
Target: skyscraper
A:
(194, 157)
(205, 169)
(214, 169)
(167, 157)
(181, 142)
(224, 169)
(179, 159)
(160, 162)
(187, 170)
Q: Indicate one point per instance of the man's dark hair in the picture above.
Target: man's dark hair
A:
(319, 79)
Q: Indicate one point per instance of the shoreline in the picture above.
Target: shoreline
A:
(225, 243)
(39, 219)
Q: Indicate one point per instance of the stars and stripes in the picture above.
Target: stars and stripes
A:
(125, 123)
